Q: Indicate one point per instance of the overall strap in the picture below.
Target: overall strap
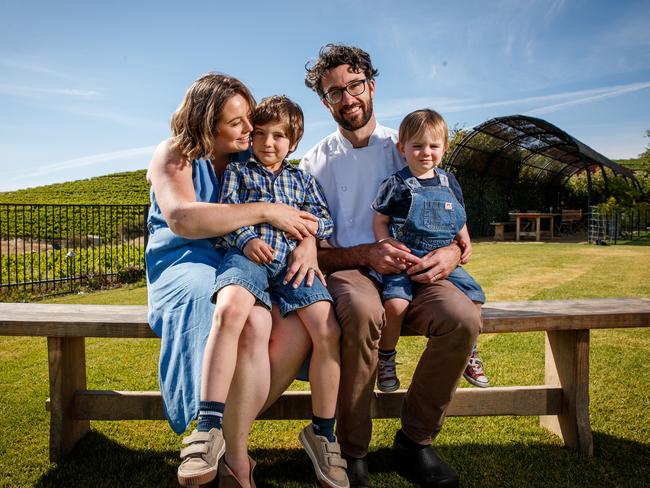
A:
(408, 178)
(444, 179)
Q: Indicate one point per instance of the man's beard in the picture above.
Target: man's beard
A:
(358, 122)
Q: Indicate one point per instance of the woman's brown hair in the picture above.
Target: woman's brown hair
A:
(194, 123)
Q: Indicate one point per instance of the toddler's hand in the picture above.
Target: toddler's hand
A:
(258, 251)
(466, 254)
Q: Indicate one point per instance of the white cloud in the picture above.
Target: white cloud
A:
(32, 67)
(557, 101)
(40, 92)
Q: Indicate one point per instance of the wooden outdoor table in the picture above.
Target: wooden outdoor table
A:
(536, 218)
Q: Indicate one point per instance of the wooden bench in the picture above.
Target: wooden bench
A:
(562, 402)
(500, 229)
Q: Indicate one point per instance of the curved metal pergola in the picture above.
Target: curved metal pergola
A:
(522, 147)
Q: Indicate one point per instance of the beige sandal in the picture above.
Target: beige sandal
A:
(228, 479)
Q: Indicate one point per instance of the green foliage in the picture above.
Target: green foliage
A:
(129, 187)
(96, 267)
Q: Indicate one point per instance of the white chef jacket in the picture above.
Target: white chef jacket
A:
(350, 178)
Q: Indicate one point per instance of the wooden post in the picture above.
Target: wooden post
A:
(67, 365)
(567, 366)
(517, 227)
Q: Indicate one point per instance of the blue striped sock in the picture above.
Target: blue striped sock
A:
(324, 427)
(210, 415)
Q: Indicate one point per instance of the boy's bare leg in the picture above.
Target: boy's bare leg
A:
(325, 367)
(288, 348)
(395, 310)
(234, 303)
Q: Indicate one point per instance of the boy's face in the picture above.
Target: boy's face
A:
(271, 144)
(423, 153)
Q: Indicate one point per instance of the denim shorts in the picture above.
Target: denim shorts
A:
(401, 286)
(264, 281)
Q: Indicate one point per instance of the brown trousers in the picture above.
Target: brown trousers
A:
(440, 312)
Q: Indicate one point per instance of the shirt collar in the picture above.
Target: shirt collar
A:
(375, 137)
(253, 161)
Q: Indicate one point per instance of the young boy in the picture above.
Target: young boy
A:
(422, 207)
(254, 268)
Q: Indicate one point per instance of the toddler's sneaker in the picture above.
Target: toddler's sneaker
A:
(326, 458)
(474, 373)
(387, 379)
(200, 458)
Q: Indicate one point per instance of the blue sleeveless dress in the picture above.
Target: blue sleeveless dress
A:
(181, 274)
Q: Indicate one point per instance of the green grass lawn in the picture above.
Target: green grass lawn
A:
(487, 451)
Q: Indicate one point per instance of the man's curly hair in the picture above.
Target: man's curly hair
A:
(333, 55)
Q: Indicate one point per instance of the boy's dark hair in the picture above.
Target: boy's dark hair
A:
(281, 108)
(333, 55)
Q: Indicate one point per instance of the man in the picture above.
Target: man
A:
(350, 164)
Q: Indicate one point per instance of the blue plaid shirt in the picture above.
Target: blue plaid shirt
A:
(250, 181)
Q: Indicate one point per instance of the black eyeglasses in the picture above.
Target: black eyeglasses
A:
(354, 88)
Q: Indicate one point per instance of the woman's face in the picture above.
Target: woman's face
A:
(234, 128)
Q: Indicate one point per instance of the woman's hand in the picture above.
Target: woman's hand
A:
(303, 261)
(297, 223)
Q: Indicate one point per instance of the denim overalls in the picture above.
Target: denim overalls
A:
(433, 220)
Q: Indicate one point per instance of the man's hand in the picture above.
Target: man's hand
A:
(436, 265)
(258, 251)
(303, 262)
(389, 256)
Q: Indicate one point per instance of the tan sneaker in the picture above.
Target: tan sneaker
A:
(201, 457)
(326, 458)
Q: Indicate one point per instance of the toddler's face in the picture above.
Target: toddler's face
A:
(271, 144)
(423, 153)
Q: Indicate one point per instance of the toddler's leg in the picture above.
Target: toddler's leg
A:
(474, 372)
(395, 310)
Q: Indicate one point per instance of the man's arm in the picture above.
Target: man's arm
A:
(386, 257)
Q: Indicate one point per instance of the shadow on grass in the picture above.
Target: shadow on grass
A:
(99, 462)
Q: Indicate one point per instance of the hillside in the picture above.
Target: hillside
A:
(129, 187)
(634, 163)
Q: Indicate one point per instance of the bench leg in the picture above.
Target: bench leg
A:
(567, 365)
(67, 366)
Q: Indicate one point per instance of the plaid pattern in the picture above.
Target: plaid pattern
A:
(250, 181)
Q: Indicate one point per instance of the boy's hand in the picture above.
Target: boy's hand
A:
(258, 251)
(466, 250)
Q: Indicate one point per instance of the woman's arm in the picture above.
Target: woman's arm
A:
(170, 174)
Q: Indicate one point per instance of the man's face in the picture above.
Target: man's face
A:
(352, 112)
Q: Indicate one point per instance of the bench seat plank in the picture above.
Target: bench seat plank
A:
(49, 320)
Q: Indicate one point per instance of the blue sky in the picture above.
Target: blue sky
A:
(88, 88)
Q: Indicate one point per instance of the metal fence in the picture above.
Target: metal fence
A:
(54, 248)
(608, 226)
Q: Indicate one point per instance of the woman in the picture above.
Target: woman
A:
(211, 128)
